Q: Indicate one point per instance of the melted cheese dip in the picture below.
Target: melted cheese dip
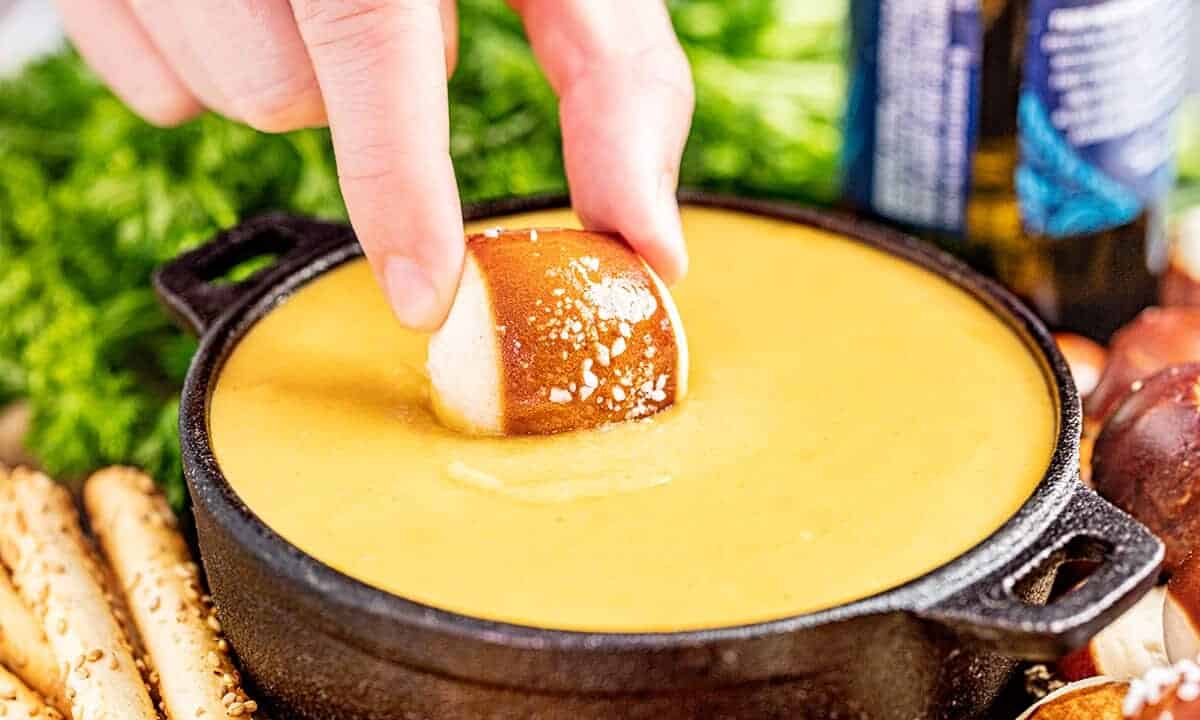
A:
(853, 422)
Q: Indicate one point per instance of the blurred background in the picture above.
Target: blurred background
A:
(92, 199)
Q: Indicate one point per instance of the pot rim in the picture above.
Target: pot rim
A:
(1053, 494)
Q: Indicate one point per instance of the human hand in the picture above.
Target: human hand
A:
(375, 71)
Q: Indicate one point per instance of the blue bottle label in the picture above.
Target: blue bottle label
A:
(912, 109)
(1100, 82)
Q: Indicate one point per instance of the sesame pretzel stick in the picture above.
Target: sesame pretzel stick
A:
(19, 702)
(23, 646)
(137, 532)
(58, 575)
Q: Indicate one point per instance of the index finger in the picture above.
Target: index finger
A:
(381, 68)
(625, 101)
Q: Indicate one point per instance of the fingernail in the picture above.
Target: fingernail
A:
(671, 227)
(413, 299)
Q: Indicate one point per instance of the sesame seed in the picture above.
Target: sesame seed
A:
(228, 699)
(213, 623)
(533, 235)
(618, 393)
(250, 706)
(586, 391)
(602, 355)
(560, 396)
(624, 329)
(618, 347)
(492, 232)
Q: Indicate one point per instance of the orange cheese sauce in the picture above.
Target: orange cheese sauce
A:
(852, 423)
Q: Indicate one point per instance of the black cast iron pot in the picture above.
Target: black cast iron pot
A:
(319, 644)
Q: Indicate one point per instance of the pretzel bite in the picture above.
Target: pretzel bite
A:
(1165, 693)
(1144, 460)
(57, 574)
(555, 330)
(1091, 699)
(1127, 648)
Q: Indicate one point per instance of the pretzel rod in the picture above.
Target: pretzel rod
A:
(19, 702)
(177, 624)
(58, 575)
(24, 649)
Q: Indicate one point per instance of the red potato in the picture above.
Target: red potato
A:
(1127, 648)
(1147, 458)
(1085, 357)
(1156, 338)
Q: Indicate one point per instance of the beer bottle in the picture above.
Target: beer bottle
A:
(1067, 130)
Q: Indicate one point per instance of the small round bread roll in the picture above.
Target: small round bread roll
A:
(1092, 699)
(555, 330)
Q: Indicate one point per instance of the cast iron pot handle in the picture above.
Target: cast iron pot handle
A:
(991, 613)
(189, 287)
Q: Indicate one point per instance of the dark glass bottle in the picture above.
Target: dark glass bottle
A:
(1090, 281)
(1069, 136)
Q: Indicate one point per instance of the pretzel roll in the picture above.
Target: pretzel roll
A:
(56, 572)
(1165, 693)
(1092, 699)
(555, 330)
(176, 621)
